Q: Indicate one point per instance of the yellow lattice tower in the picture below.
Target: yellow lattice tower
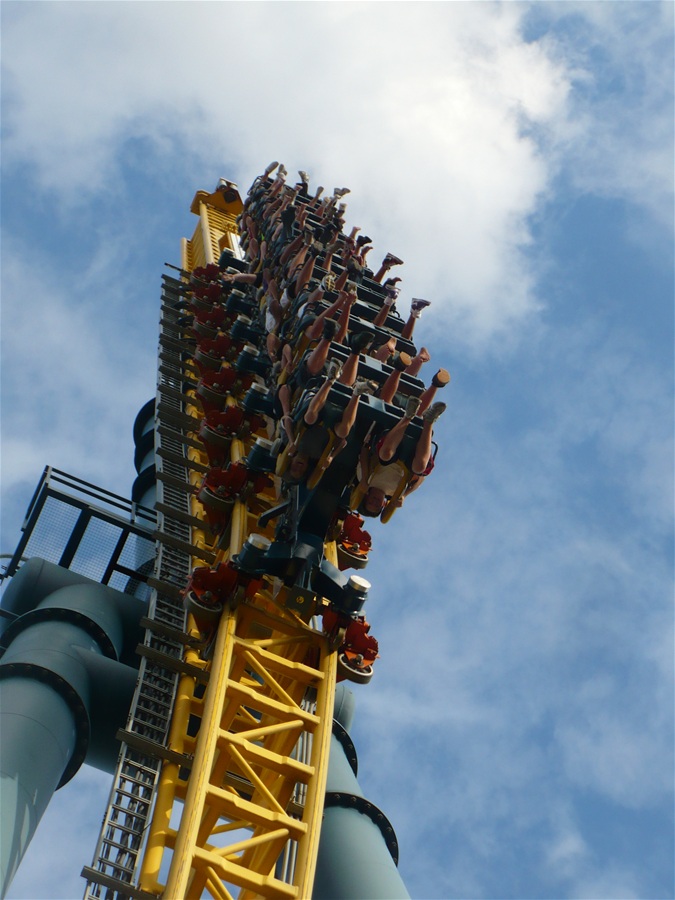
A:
(244, 819)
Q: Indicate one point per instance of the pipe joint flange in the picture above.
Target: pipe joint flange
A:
(75, 703)
(62, 614)
(360, 804)
(342, 735)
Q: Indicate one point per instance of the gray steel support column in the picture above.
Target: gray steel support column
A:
(63, 692)
(144, 489)
(38, 740)
(355, 860)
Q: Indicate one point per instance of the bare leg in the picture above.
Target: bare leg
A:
(384, 352)
(272, 343)
(343, 322)
(317, 358)
(346, 423)
(292, 249)
(417, 363)
(409, 327)
(350, 370)
(304, 275)
(416, 308)
(328, 259)
(315, 329)
(423, 449)
(287, 358)
(381, 316)
(440, 379)
(318, 402)
(393, 438)
(389, 388)
(341, 280)
(286, 418)
(298, 260)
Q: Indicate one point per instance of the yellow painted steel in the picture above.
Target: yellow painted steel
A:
(240, 810)
(255, 788)
(216, 229)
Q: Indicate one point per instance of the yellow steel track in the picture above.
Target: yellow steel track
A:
(244, 819)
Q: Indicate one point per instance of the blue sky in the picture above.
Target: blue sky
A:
(518, 731)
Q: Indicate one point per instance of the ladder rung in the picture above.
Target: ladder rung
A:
(190, 549)
(186, 518)
(152, 748)
(181, 637)
(115, 884)
(174, 665)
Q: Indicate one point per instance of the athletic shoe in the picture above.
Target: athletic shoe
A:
(441, 378)
(363, 386)
(359, 341)
(380, 338)
(401, 361)
(304, 177)
(333, 369)
(411, 407)
(391, 260)
(434, 411)
(329, 329)
(418, 305)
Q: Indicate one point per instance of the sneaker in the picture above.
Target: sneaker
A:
(333, 369)
(304, 177)
(391, 260)
(441, 378)
(340, 192)
(329, 329)
(282, 170)
(272, 166)
(391, 282)
(418, 305)
(434, 411)
(359, 341)
(363, 386)
(411, 407)
(319, 192)
(401, 361)
(380, 338)
(363, 239)
(305, 322)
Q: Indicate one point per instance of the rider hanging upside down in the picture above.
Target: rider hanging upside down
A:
(310, 446)
(381, 469)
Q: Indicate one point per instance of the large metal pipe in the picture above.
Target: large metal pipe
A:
(358, 850)
(144, 489)
(38, 740)
(63, 692)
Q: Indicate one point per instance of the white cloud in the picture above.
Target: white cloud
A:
(62, 362)
(528, 576)
(439, 115)
(423, 113)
